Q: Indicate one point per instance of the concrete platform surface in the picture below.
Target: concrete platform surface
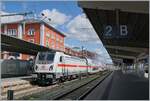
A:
(122, 85)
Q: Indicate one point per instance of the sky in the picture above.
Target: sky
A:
(67, 17)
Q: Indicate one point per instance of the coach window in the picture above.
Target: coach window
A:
(61, 58)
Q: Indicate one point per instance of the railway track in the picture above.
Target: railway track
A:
(64, 89)
(79, 93)
(22, 88)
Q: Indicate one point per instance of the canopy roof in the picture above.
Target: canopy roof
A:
(122, 26)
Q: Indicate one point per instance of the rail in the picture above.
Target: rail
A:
(70, 93)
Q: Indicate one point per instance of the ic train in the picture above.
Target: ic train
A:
(53, 66)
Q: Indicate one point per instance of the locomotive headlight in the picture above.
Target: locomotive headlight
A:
(51, 68)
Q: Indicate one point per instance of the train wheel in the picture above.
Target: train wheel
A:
(62, 79)
(33, 81)
(69, 77)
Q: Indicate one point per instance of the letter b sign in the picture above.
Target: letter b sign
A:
(123, 30)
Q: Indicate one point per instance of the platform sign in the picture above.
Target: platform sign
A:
(113, 31)
(120, 28)
(125, 25)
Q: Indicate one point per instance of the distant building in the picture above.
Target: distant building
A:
(72, 52)
(35, 31)
(89, 54)
(84, 53)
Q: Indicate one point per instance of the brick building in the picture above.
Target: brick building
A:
(36, 31)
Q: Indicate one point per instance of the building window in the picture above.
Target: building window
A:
(57, 39)
(53, 36)
(57, 46)
(31, 32)
(62, 48)
(2, 29)
(12, 32)
(61, 40)
(48, 35)
(53, 44)
(31, 40)
(47, 43)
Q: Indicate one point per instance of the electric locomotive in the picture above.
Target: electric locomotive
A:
(54, 66)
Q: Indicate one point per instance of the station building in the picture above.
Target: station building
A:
(33, 30)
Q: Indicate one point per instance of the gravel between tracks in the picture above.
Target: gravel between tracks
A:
(53, 93)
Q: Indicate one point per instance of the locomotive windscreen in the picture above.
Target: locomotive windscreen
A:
(41, 56)
(45, 57)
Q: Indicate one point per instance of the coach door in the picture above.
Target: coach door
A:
(63, 65)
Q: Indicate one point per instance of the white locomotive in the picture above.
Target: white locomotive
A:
(51, 66)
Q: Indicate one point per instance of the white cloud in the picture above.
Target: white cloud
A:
(57, 18)
(81, 29)
(103, 55)
(2, 6)
(9, 19)
(99, 51)
(68, 45)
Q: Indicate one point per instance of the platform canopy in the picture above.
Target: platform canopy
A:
(122, 26)
(13, 44)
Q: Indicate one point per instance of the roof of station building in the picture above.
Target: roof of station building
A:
(37, 20)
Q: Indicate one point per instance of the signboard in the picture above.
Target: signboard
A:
(124, 25)
(112, 31)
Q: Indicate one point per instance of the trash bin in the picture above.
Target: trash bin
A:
(10, 94)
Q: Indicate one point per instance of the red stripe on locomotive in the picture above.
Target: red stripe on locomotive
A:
(72, 65)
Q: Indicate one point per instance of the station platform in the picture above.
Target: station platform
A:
(122, 85)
